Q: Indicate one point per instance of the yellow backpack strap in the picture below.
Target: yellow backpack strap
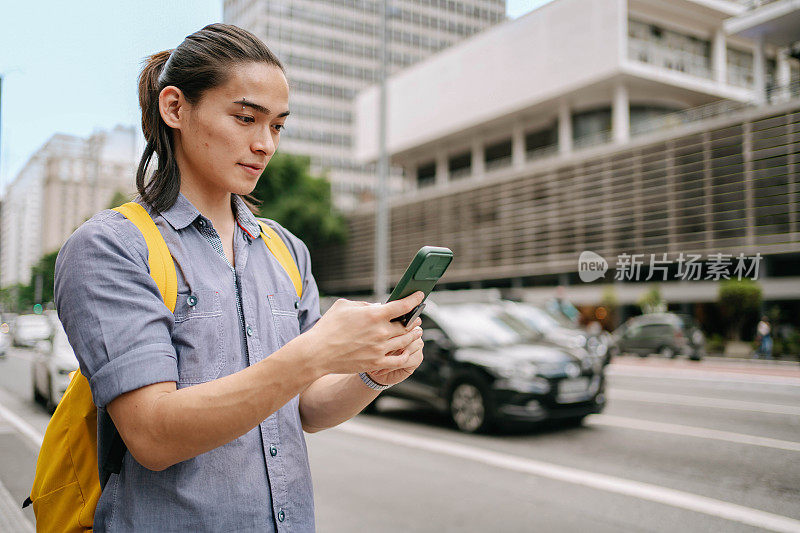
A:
(283, 255)
(162, 268)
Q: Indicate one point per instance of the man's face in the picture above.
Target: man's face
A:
(223, 137)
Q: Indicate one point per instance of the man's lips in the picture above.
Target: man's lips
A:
(256, 167)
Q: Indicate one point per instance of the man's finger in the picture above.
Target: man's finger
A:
(403, 306)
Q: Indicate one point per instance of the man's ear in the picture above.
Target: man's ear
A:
(171, 105)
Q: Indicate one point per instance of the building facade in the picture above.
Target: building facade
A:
(622, 128)
(64, 183)
(331, 50)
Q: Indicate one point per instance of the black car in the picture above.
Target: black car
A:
(483, 366)
(666, 334)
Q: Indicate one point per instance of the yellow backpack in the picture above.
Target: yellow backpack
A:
(66, 487)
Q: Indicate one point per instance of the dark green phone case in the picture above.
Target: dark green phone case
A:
(422, 274)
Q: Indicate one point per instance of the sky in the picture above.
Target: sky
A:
(71, 66)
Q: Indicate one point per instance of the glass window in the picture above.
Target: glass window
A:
(426, 174)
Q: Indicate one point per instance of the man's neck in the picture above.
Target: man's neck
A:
(216, 207)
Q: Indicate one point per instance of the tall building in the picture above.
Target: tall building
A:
(612, 126)
(331, 50)
(64, 183)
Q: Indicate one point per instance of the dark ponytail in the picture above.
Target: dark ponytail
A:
(201, 62)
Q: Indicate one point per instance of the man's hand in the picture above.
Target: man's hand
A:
(389, 376)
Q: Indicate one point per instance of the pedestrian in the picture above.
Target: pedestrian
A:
(211, 402)
(764, 339)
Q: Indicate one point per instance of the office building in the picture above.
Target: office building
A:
(332, 49)
(63, 184)
(617, 127)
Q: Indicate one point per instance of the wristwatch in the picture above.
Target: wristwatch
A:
(370, 383)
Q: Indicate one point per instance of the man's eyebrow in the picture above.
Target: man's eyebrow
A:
(259, 108)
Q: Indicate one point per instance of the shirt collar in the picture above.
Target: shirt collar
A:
(183, 212)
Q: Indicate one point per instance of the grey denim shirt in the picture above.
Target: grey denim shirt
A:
(125, 338)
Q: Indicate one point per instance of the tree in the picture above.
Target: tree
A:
(300, 201)
(739, 302)
(652, 301)
(610, 301)
(118, 199)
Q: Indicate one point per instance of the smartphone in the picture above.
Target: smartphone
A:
(421, 275)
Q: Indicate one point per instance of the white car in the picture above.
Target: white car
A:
(52, 363)
(28, 329)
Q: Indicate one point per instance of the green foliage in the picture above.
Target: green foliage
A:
(739, 302)
(715, 344)
(20, 298)
(787, 347)
(118, 199)
(300, 202)
(652, 301)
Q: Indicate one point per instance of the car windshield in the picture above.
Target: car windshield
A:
(482, 325)
(534, 317)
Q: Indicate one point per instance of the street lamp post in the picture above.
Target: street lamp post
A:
(381, 210)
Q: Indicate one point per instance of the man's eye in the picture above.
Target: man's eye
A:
(280, 127)
(246, 120)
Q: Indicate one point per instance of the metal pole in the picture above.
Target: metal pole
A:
(37, 292)
(381, 211)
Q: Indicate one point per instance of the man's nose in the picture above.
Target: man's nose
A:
(265, 144)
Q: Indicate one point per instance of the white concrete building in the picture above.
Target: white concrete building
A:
(611, 126)
(64, 183)
(331, 50)
(570, 74)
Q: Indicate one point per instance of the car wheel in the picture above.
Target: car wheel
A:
(37, 397)
(470, 406)
(642, 354)
(667, 352)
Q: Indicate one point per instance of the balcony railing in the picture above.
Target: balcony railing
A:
(740, 76)
(542, 151)
(654, 54)
(774, 95)
(500, 162)
(592, 139)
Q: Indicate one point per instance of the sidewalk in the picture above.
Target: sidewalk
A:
(727, 365)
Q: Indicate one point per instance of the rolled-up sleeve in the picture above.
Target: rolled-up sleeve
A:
(112, 310)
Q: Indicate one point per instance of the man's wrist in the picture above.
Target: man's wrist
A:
(367, 379)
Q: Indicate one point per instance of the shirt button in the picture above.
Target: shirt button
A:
(191, 300)
(296, 304)
(273, 450)
(201, 223)
(281, 516)
(250, 330)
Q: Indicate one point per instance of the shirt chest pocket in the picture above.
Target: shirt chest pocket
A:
(285, 314)
(198, 336)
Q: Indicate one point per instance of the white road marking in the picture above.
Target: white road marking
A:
(12, 518)
(700, 401)
(700, 375)
(691, 431)
(23, 427)
(635, 489)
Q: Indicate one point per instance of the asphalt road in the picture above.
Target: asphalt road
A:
(710, 446)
